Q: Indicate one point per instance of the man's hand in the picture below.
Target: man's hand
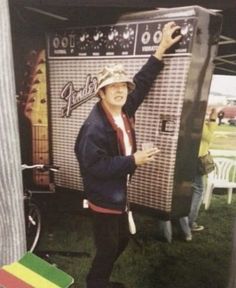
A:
(145, 156)
(167, 39)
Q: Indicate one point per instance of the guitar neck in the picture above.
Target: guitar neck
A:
(40, 152)
(36, 111)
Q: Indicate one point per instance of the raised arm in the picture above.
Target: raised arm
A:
(148, 73)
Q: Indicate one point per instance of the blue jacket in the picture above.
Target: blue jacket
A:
(103, 169)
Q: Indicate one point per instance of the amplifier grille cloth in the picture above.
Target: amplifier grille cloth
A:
(152, 184)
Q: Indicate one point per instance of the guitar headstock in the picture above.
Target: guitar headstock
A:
(25, 86)
(36, 103)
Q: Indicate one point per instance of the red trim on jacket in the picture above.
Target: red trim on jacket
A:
(119, 133)
(103, 210)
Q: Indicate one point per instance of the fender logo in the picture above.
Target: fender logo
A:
(75, 98)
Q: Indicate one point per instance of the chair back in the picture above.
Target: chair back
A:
(225, 169)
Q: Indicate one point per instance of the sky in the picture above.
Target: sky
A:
(224, 84)
(222, 87)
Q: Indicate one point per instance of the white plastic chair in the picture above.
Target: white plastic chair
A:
(224, 176)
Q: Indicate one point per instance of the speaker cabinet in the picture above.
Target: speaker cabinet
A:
(172, 114)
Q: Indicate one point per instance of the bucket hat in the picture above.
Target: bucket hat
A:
(113, 74)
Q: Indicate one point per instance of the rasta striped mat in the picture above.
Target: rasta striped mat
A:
(33, 272)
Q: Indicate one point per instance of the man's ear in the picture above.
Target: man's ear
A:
(101, 94)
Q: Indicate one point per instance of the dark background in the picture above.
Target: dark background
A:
(32, 18)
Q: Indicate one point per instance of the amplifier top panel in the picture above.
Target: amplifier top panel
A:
(125, 39)
(133, 34)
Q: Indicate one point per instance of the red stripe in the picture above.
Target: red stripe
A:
(119, 133)
(103, 210)
(7, 280)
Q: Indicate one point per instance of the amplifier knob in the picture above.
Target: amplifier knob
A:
(157, 37)
(112, 34)
(83, 41)
(187, 33)
(98, 41)
(187, 28)
(127, 38)
(112, 39)
(184, 29)
(83, 37)
(96, 36)
(128, 33)
(64, 42)
(56, 42)
(146, 37)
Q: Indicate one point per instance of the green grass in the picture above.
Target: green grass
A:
(226, 128)
(224, 138)
(152, 263)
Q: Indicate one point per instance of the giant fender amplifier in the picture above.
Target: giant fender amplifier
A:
(172, 114)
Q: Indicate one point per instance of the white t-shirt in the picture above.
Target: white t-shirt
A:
(120, 123)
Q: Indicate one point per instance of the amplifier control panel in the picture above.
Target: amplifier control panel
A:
(133, 39)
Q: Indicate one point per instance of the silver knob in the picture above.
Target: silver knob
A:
(157, 37)
(111, 35)
(126, 34)
(184, 29)
(146, 37)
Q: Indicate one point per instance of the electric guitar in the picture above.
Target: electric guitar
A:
(36, 110)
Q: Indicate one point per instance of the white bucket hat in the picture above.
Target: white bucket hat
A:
(113, 74)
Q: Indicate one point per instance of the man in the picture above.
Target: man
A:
(106, 150)
(198, 184)
(220, 115)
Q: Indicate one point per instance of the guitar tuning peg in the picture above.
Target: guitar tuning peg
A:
(28, 109)
(33, 52)
(34, 90)
(31, 100)
(41, 61)
(29, 64)
(27, 88)
(36, 81)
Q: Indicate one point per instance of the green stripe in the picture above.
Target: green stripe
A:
(46, 270)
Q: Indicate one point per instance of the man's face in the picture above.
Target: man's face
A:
(115, 95)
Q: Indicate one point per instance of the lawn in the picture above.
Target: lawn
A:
(149, 261)
(224, 138)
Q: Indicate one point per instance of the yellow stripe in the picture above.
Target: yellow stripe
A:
(28, 276)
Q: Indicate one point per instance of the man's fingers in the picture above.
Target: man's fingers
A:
(177, 38)
(152, 152)
(169, 25)
(172, 32)
(151, 158)
(176, 27)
